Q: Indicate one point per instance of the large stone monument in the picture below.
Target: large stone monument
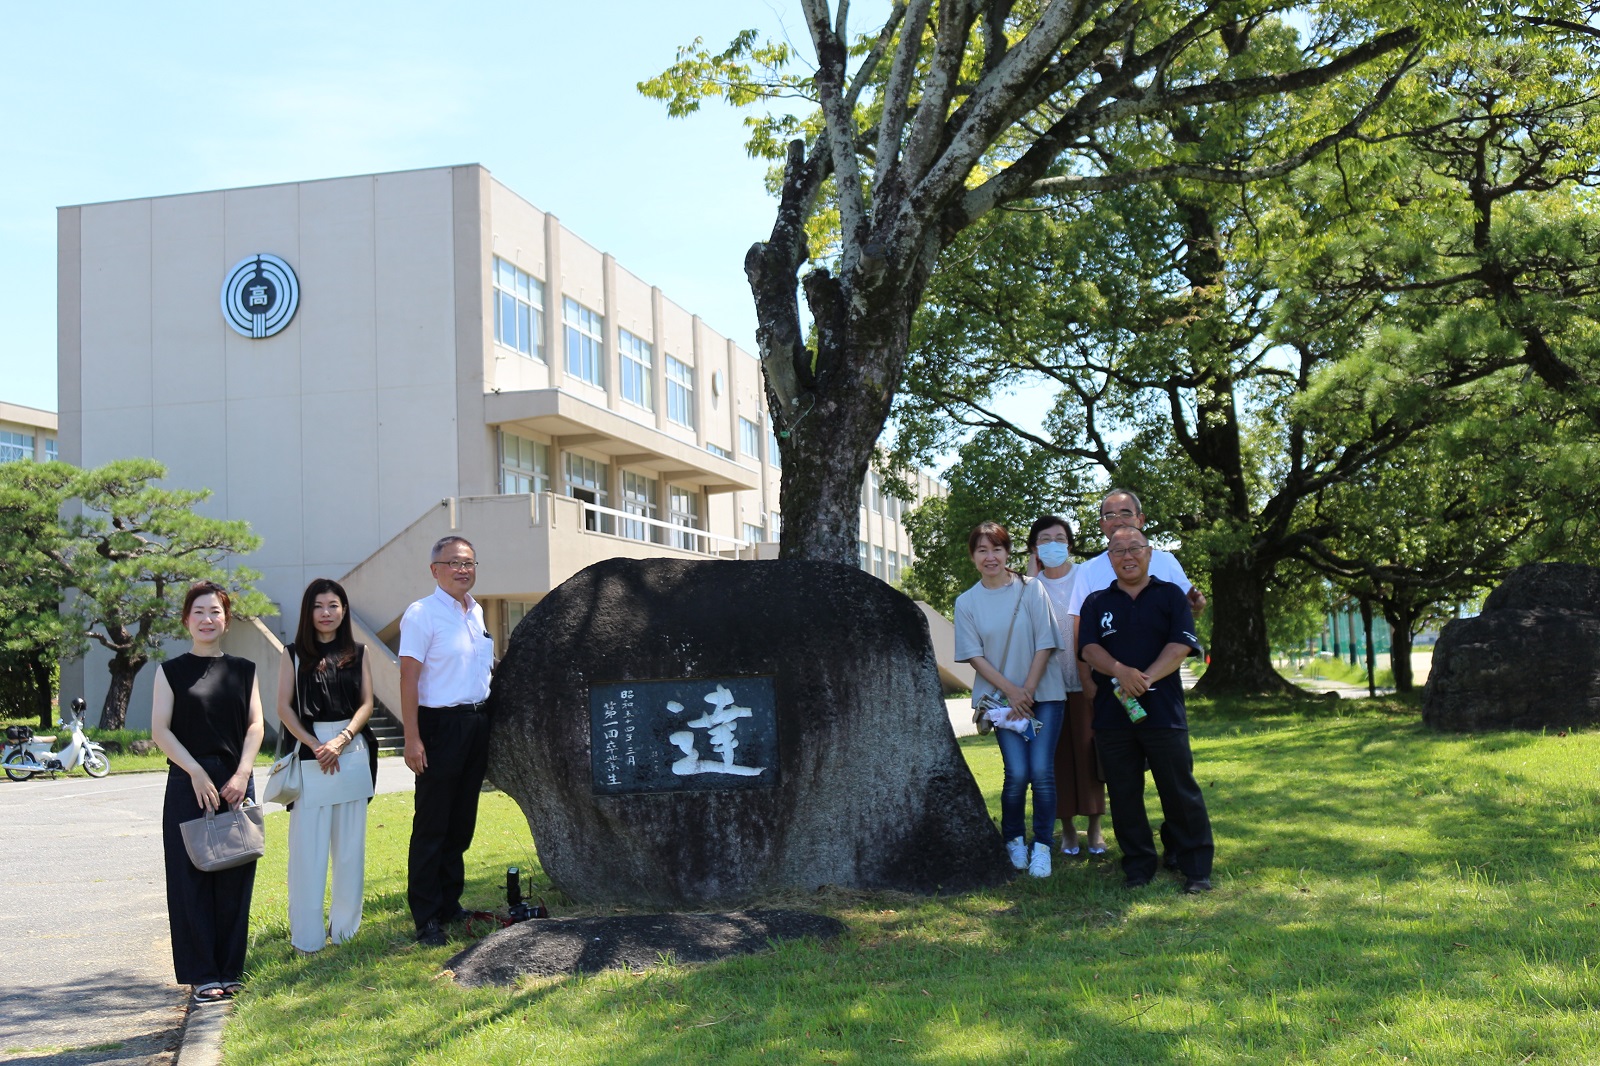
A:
(685, 734)
(1531, 660)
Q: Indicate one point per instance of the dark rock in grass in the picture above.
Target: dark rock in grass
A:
(111, 747)
(143, 747)
(1531, 660)
(629, 942)
(845, 772)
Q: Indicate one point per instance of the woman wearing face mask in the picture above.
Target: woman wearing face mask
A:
(1079, 790)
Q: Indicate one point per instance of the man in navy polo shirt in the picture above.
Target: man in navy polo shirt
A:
(1138, 631)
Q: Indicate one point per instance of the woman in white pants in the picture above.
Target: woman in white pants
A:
(324, 701)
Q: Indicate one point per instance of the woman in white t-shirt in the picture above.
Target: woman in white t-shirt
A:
(1079, 790)
(1006, 629)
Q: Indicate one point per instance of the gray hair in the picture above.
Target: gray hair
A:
(444, 542)
(1138, 508)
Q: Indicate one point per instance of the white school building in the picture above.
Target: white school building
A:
(358, 366)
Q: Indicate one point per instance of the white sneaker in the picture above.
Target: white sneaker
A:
(1018, 851)
(1039, 864)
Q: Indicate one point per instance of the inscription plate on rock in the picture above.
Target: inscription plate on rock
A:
(684, 735)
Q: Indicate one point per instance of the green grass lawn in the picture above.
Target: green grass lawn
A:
(1384, 894)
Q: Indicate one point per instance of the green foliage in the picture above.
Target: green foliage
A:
(1323, 377)
(31, 586)
(121, 561)
(996, 478)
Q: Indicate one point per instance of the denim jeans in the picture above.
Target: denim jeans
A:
(1031, 762)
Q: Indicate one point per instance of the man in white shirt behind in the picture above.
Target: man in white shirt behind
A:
(1121, 509)
(446, 655)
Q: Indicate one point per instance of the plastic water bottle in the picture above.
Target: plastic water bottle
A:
(1136, 713)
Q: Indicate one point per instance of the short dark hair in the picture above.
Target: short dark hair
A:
(208, 588)
(343, 647)
(1128, 529)
(1044, 522)
(444, 542)
(994, 532)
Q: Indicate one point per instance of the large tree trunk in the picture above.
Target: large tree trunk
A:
(1401, 623)
(123, 669)
(1372, 653)
(1241, 658)
(829, 409)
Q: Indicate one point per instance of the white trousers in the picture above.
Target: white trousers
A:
(316, 834)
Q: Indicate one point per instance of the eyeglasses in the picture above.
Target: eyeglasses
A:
(1135, 550)
(1112, 516)
(458, 565)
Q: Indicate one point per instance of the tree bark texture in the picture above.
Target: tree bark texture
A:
(1372, 655)
(114, 712)
(1241, 659)
(1401, 623)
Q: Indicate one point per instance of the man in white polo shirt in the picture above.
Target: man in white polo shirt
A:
(1119, 510)
(446, 655)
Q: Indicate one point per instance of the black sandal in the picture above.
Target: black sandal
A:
(210, 992)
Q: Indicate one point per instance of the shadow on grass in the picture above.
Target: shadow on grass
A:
(1382, 891)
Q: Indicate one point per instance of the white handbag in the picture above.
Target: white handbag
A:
(284, 780)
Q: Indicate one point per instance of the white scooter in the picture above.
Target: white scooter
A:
(25, 756)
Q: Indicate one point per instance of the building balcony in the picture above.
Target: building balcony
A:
(526, 545)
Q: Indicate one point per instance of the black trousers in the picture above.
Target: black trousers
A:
(209, 914)
(456, 742)
(1187, 832)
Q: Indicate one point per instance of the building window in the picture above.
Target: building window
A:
(586, 481)
(754, 533)
(773, 457)
(638, 497)
(524, 465)
(877, 560)
(680, 392)
(776, 525)
(514, 612)
(51, 451)
(585, 342)
(636, 365)
(518, 310)
(718, 450)
(749, 439)
(894, 567)
(15, 446)
(683, 509)
(874, 494)
(863, 546)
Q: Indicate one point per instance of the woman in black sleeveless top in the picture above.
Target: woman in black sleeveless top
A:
(324, 701)
(206, 716)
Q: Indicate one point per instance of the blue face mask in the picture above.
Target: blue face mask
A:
(1051, 553)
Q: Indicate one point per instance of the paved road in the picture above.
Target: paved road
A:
(83, 919)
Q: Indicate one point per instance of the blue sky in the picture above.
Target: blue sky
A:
(107, 101)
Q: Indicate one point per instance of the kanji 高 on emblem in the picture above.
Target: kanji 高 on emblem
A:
(260, 295)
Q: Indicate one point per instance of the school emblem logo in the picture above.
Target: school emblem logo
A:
(260, 296)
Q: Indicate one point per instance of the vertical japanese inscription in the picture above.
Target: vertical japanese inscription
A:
(692, 734)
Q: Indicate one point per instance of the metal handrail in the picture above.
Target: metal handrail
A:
(673, 534)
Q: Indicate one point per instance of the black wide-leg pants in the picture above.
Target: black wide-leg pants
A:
(456, 743)
(1123, 754)
(209, 914)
